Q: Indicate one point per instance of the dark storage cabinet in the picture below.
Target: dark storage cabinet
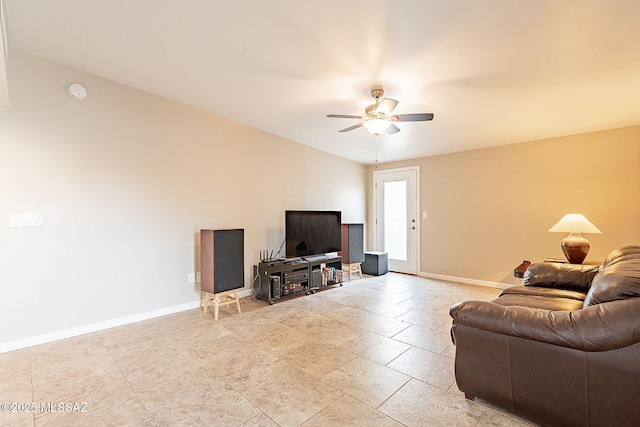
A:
(279, 279)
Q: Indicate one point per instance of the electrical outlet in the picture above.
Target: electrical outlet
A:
(191, 278)
(198, 277)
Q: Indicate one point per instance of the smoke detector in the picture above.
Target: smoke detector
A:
(77, 91)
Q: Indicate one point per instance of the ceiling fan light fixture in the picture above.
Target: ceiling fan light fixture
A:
(378, 118)
(377, 126)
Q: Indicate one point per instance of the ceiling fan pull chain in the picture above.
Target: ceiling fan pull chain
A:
(376, 151)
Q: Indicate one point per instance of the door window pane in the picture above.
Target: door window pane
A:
(395, 219)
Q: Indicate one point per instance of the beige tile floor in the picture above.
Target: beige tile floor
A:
(374, 352)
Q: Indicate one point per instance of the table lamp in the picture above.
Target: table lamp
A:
(574, 246)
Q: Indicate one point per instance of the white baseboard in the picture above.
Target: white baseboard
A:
(465, 280)
(107, 324)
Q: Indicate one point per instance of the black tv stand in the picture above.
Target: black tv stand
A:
(284, 278)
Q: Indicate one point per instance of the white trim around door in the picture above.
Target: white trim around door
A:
(396, 221)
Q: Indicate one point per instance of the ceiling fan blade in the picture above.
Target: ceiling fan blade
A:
(343, 116)
(351, 128)
(393, 129)
(386, 106)
(417, 117)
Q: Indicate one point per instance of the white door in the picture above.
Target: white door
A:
(396, 217)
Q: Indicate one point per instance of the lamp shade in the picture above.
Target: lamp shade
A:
(574, 246)
(377, 126)
(574, 223)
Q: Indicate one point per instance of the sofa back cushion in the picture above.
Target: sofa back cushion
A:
(619, 278)
(625, 253)
(558, 275)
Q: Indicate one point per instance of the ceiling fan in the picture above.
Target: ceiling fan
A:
(378, 119)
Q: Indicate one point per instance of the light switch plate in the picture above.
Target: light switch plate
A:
(26, 220)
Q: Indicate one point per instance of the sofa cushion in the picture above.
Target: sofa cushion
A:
(545, 292)
(623, 253)
(542, 302)
(559, 275)
(620, 279)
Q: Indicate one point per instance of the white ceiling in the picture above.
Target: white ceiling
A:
(492, 71)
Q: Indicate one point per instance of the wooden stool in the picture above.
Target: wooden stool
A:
(355, 267)
(229, 297)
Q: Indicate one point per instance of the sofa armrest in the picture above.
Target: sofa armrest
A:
(602, 327)
(563, 276)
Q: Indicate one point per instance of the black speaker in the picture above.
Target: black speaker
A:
(352, 243)
(221, 260)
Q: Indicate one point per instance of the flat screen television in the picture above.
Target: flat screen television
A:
(310, 233)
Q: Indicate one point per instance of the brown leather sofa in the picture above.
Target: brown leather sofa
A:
(562, 350)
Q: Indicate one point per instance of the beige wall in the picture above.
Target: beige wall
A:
(489, 209)
(125, 181)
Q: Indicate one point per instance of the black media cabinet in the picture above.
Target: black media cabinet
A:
(280, 279)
